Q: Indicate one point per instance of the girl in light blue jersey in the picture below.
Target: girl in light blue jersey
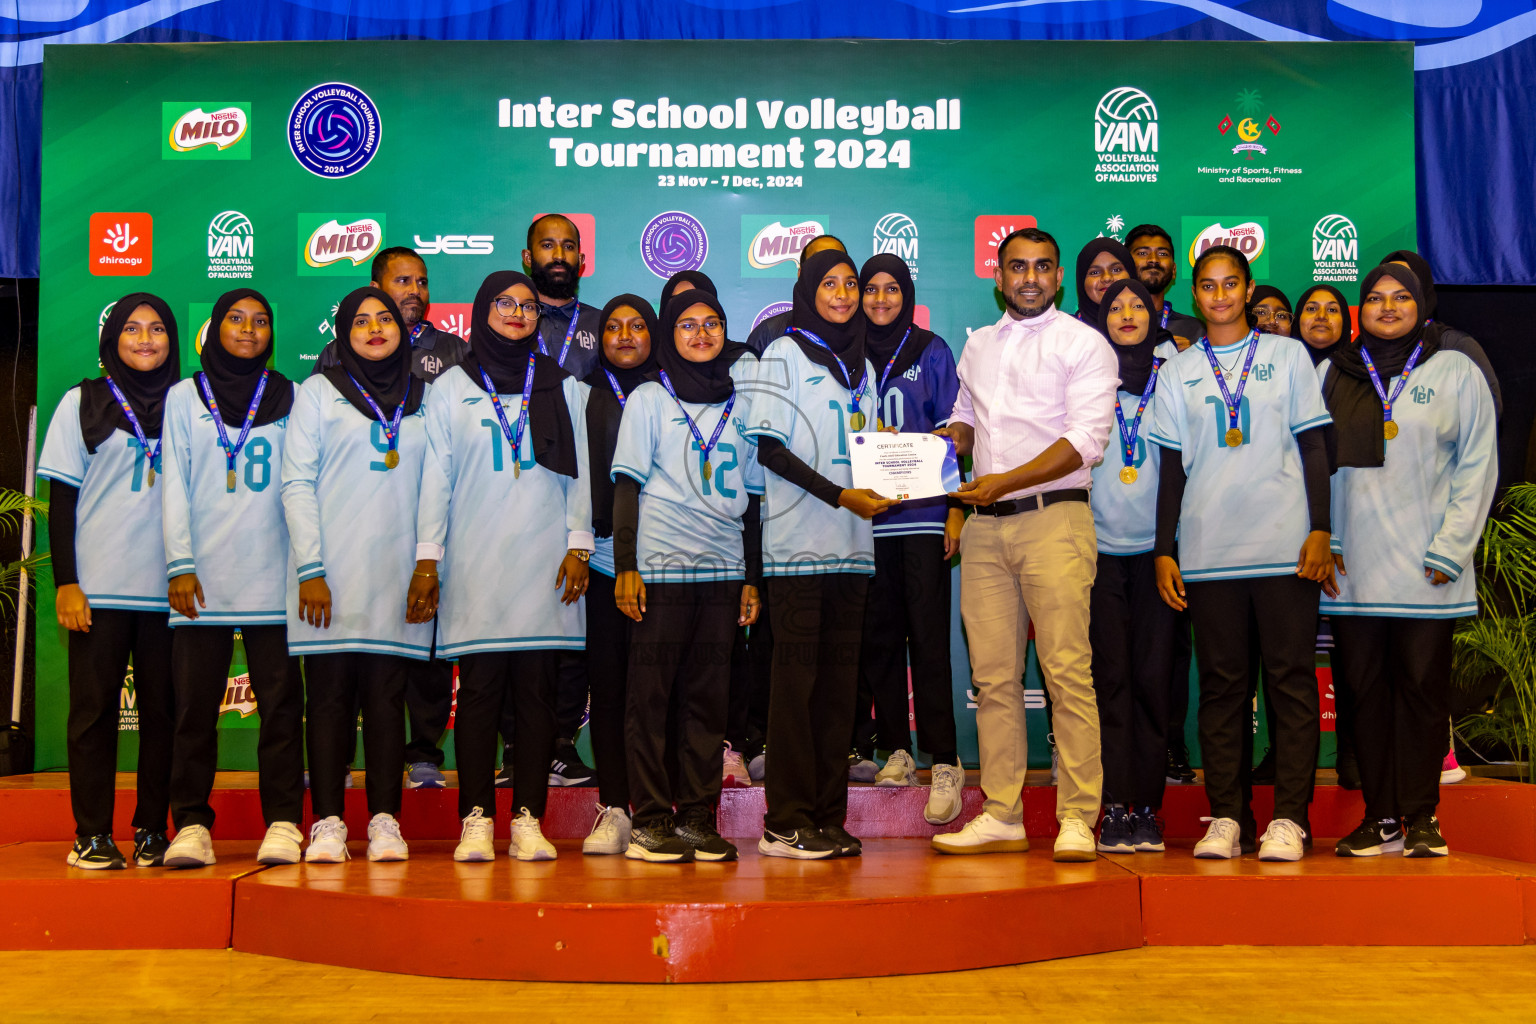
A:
(1418, 466)
(101, 457)
(351, 477)
(506, 518)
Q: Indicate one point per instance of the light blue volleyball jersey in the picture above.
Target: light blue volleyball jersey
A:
(1245, 508)
(502, 535)
(236, 542)
(806, 407)
(119, 550)
(351, 519)
(690, 525)
(1125, 514)
(1426, 505)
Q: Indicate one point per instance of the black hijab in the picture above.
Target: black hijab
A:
(604, 412)
(145, 390)
(1319, 354)
(1349, 394)
(1420, 267)
(1087, 309)
(703, 383)
(1268, 291)
(234, 379)
(685, 280)
(1135, 360)
(389, 380)
(506, 362)
(847, 340)
(881, 342)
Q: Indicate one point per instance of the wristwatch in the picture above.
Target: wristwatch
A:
(581, 553)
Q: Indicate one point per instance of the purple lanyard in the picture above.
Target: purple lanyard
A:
(1234, 401)
(1128, 435)
(570, 332)
(391, 426)
(138, 431)
(1370, 367)
(613, 382)
(857, 396)
(416, 332)
(516, 440)
(218, 421)
(725, 415)
(880, 390)
(1166, 310)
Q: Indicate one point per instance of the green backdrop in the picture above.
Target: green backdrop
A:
(1301, 153)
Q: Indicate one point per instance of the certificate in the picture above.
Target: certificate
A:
(904, 466)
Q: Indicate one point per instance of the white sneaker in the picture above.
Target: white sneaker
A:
(984, 834)
(1283, 840)
(757, 768)
(192, 848)
(1222, 840)
(861, 769)
(944, 795)
(1075, 842)
(733, 770)
(281, 845)
(327, 842)
(477, 840)
(528, 842)
(384, 840)
(899, 770)
(610, 832)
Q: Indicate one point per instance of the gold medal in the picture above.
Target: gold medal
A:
(517, 469)
(856, 421)
(1234, 438)
(709, 470)
(879, 423)
(229, 481)
(1389, 429)
(1128, 475)
(151, 476)
(391, 459)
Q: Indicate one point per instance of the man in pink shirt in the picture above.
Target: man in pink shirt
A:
(1036, 404)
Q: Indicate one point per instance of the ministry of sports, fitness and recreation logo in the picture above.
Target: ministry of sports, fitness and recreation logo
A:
(1335, 249)
(1250, 107)
(231, 247)
(773, 243)
(205, 131)
(896, 233)
(1125, 136)
(1248, 235)
(122, 244)
(335, 245)
(991, 229)
(334, 130)
(672, 243)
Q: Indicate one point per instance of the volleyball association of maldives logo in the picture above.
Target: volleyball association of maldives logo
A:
(672, 243)
(334, 130)
(1125, 136)
(1335, 249)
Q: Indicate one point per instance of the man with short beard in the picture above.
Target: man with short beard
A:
(1152, 249)
(568, 330)
(402, 275)
(1035, 409)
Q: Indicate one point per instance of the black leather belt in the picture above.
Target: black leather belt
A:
(1033, 503)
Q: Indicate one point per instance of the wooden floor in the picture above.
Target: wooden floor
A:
(1144, 986)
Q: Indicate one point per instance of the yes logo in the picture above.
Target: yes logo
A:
(122, 244)
(205, 131)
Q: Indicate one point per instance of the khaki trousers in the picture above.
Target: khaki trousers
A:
(1036, 566)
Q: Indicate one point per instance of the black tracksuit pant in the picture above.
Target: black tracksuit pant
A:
(1399, 672)
(200, 657)
(608, 652)
(334, 685)
(1285, 611)
(98, 663)
(428, 703)
(679, 687)
(751, 683)
(526, 682)
(1131, 630)
(907, 615)
(818, 625)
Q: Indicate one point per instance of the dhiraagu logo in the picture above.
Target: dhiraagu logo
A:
(207, 130)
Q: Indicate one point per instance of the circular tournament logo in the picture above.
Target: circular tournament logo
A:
(334, 130)
(673, 242)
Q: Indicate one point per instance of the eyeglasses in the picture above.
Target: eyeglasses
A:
(713, 328)
(1263, 314)
(511, 307)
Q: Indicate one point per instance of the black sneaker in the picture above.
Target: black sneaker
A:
(96, 853)
(658, 843)
(801, 844)
(1349, 772)
(1264, 771)
(1115, 831)
(1372, 838)
(1179, 772)
(1422, 837)
(1147, 831)
(568, 769)
(847, 845)
(707, 844)
(149, 848)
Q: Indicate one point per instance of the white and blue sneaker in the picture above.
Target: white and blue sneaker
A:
(424, 775)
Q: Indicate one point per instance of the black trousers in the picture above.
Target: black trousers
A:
(428, 703)
(907, 616)
(1343, 697)
(1285, 610)
(1178, 685)
(1131, 631)
(1400, 673)
(751, 682)
(679, 686)
(527, 681)
(571, 701)
(334, 685)
(608, 651)
(98, 663)
(200, 657)
(818, 625)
